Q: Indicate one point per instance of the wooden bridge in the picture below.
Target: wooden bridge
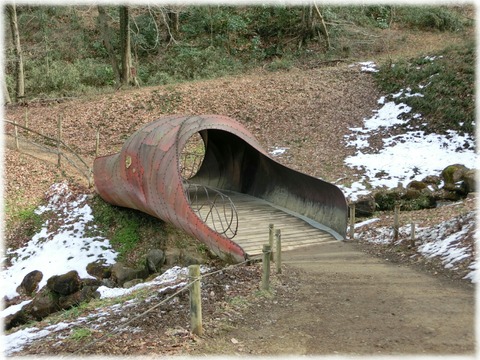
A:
(253, 189)
(254, 216)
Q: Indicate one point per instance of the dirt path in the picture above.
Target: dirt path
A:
(335, 299)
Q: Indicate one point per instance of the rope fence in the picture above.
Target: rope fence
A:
(52, 145)
(395, 227)
(194, 287)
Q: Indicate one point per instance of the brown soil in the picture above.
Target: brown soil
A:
(329, 299)
(333, 299)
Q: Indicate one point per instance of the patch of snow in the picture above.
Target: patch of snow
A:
(278, 151)
(443, 240)
(406, 157)
(13, 309)
(366, 222)
(368, 66)
(171, 279)
(56, 251)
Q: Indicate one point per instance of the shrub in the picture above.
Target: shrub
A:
(430, 18)
(447, 82)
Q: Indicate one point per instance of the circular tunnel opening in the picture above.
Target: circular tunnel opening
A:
(191, 157)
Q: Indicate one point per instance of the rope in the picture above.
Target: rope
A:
(187, 286)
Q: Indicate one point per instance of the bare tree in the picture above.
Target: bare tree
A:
(6, 96)
(128, 76)
(106, 39)
(19, 73)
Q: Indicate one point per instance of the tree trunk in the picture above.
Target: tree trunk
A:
(128, 76)
(106, 36)
(19, 74)
(6, 95)
(323, 27)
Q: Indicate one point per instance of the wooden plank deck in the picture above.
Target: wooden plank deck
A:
(254, 217)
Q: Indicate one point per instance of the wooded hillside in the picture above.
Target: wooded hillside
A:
(112, 46)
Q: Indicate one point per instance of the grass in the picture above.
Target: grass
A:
(125, 228)
(447, 81)
(80, 334)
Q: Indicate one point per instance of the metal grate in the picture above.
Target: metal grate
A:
(214, 208)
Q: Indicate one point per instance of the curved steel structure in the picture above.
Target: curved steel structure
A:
(145, 175)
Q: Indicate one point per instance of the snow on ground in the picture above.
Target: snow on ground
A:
(72, 245)
(174, 278)
(406, 157)
(278, 150)
(56, 250)
(445, 241)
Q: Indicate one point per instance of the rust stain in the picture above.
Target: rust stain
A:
(145, 175)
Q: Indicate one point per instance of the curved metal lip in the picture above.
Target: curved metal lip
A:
(145, 175)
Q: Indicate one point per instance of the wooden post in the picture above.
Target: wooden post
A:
(270, 239)
(278, 262)
(352, 221)
(412, 234)
(97, 142)
(195, 300)
(15, 131)
(266, 267)
(396, 222)
(59, 151)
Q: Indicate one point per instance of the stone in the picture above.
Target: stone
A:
(417, 185)
(132, 283)
(108, 283)
(122, 273)
(470, 181)
(386, 199)
(65, 284)
(365, 206)
(43, 304)
(29, 284)
(453, 173)
(84, 295)
(155, 259)
(99, 270)
(173, 257)
(13, 320)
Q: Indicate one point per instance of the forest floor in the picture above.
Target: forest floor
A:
(342, 298)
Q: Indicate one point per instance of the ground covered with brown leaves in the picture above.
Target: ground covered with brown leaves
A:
(307, 111)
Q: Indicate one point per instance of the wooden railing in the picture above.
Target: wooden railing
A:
(49, 144)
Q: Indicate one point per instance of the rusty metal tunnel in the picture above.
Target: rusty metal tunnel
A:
(235, 171)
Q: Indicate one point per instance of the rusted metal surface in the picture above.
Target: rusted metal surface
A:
(145, 175)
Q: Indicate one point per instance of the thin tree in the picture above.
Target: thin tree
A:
(106, 39)
(128, 75)
(19, 73)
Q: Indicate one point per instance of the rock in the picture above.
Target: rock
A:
(445, 195)
(365, 206)
(43, 304)
(132, 283)
(65, 284)
(173, 257)
(99, 270)
(92, 282)
(30, 283)
(453, 173)
(408, 199)
(84, 295)
(155, 259)
(417, 185)
(432, 180)
(469, 181)
(13, 320)
(108, 283)
(192, 259)
(122, 273)
(386, 199)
